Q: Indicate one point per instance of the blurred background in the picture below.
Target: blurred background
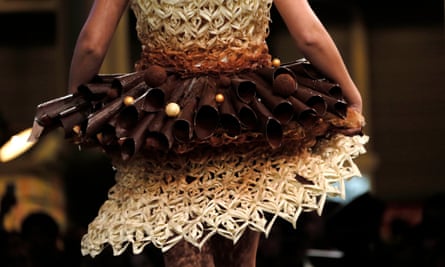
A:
(394, 50)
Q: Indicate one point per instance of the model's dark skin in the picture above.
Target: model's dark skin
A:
(311, 38)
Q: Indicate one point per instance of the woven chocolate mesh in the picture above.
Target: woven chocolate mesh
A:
(162, 200)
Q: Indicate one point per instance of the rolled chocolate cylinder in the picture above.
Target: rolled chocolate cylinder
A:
(182, 129)
(127, 81)
(322, 86)
(229, 121)
(167, 132)
(129, 116)
(207, 115)
(245, 89)
(183, 126)
(105, 78)
(132, 144)
(280, 107)
(108, 133)
(311, 98)
(99, 118)
(336, 106)
(272, 128)
(156, 141)
(245, 113)
(304, 114)
(154, 100)
(47, 111)
(303, 68)
(94, 91)
(266, 73)
(73, 119)
(179, 91)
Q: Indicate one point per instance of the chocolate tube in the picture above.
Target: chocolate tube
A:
(105, 78)
(266, 73)
(94, 91)
(129, 115)
(99, 118)
(305, 115)
(245, 113)
(229, 121)
(133, 143)
(280, 107)
(154, 100)
(272, 127)
(73, 119)
(323, 86)
(167, 132)
(207, 116)
(156, 141)
(108, 133)
(311, 98)
(244, 89)
(47, 111)
(182, 129)
(336, 106)
(302, 68)
(127, 81)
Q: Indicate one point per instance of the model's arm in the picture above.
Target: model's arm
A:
(93, 41)
(317, 46)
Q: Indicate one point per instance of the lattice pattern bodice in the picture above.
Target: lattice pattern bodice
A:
(203, 35)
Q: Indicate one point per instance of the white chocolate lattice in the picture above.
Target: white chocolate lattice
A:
(202, 35)
(165, 200)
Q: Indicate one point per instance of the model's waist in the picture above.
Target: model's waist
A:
(206, 60)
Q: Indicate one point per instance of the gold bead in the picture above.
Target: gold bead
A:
(219, 98)
(76, 129)
(128, 101)
(276, 62)
(172, 109)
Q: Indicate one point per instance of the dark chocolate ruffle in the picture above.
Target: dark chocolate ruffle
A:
(127, 111)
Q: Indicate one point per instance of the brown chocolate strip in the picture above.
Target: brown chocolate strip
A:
(207, 115)
(272, 128)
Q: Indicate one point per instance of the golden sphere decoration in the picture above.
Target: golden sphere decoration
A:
(276, 62)
(172, 109)
(128, 100)
(219, 98)
(76, 129)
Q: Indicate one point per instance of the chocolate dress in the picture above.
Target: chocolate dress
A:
(208, 135)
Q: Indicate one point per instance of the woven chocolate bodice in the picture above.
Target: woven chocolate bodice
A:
(203, 35)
